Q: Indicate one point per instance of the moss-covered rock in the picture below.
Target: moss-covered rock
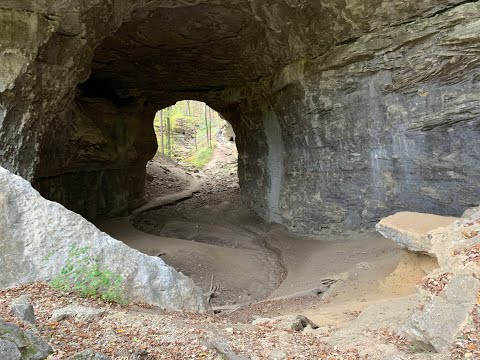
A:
(16, 344)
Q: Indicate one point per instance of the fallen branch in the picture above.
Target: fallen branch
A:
(315, 292)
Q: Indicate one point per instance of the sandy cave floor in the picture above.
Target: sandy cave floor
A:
(214, 233)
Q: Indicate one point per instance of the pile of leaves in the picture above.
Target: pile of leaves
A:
(435, 285)
(138, 331)
(473, 254)
(467, 346)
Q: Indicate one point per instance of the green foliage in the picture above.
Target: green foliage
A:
(201, 157)
(82, 274)
(185, 119)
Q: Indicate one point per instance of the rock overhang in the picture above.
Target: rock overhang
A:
(360, 93)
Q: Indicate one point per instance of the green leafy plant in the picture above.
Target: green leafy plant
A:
(83, 274)
(200, 158)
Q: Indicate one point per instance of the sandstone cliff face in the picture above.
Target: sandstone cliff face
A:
(344, 111)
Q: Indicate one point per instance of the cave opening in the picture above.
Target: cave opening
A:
(193, 146)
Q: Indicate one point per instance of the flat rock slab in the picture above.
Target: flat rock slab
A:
(387, 315)
(410, 229)
(89, 355)
(77, 311)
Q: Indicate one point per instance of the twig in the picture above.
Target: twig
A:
(213, 289)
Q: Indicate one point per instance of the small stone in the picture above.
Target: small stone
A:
(229, 331)
(23, 310)
(77, 311)
(277, 355)
(297, 325)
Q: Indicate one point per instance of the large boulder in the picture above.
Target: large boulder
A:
(440, 321)
(41, 240)
(449, 294)
(16, 344)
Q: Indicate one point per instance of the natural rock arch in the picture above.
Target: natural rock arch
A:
(344, 111)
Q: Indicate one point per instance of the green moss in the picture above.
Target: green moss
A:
(83, 274)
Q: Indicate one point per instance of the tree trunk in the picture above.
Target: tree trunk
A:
(161, 133)
(195, 132)
(210, 120)
(206, 120)
(169, 144)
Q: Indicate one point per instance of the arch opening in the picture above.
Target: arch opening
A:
(193, 146)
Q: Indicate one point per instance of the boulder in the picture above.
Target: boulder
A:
(41, 240)
(23, 310)
(448, 294)
(16, 344)
(411, 230)
(439, 322)
(8, 350)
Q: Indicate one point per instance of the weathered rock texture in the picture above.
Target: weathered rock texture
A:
(37, 237)
(450, 294)
(344, 111)
(411, 230)
(16, 344)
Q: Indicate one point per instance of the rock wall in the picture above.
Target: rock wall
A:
(95, 160)
(387, 122)
(344, 112)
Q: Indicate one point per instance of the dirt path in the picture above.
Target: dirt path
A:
(196, 232)
(203, 228)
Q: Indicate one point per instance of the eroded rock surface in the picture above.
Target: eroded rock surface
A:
(441, 321)
(38, 239)
(344, 112)
(16, 344)
(450, 294)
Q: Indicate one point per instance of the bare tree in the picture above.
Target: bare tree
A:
(161, 132)
(169, 130)
(206, 121)
(210, 124)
